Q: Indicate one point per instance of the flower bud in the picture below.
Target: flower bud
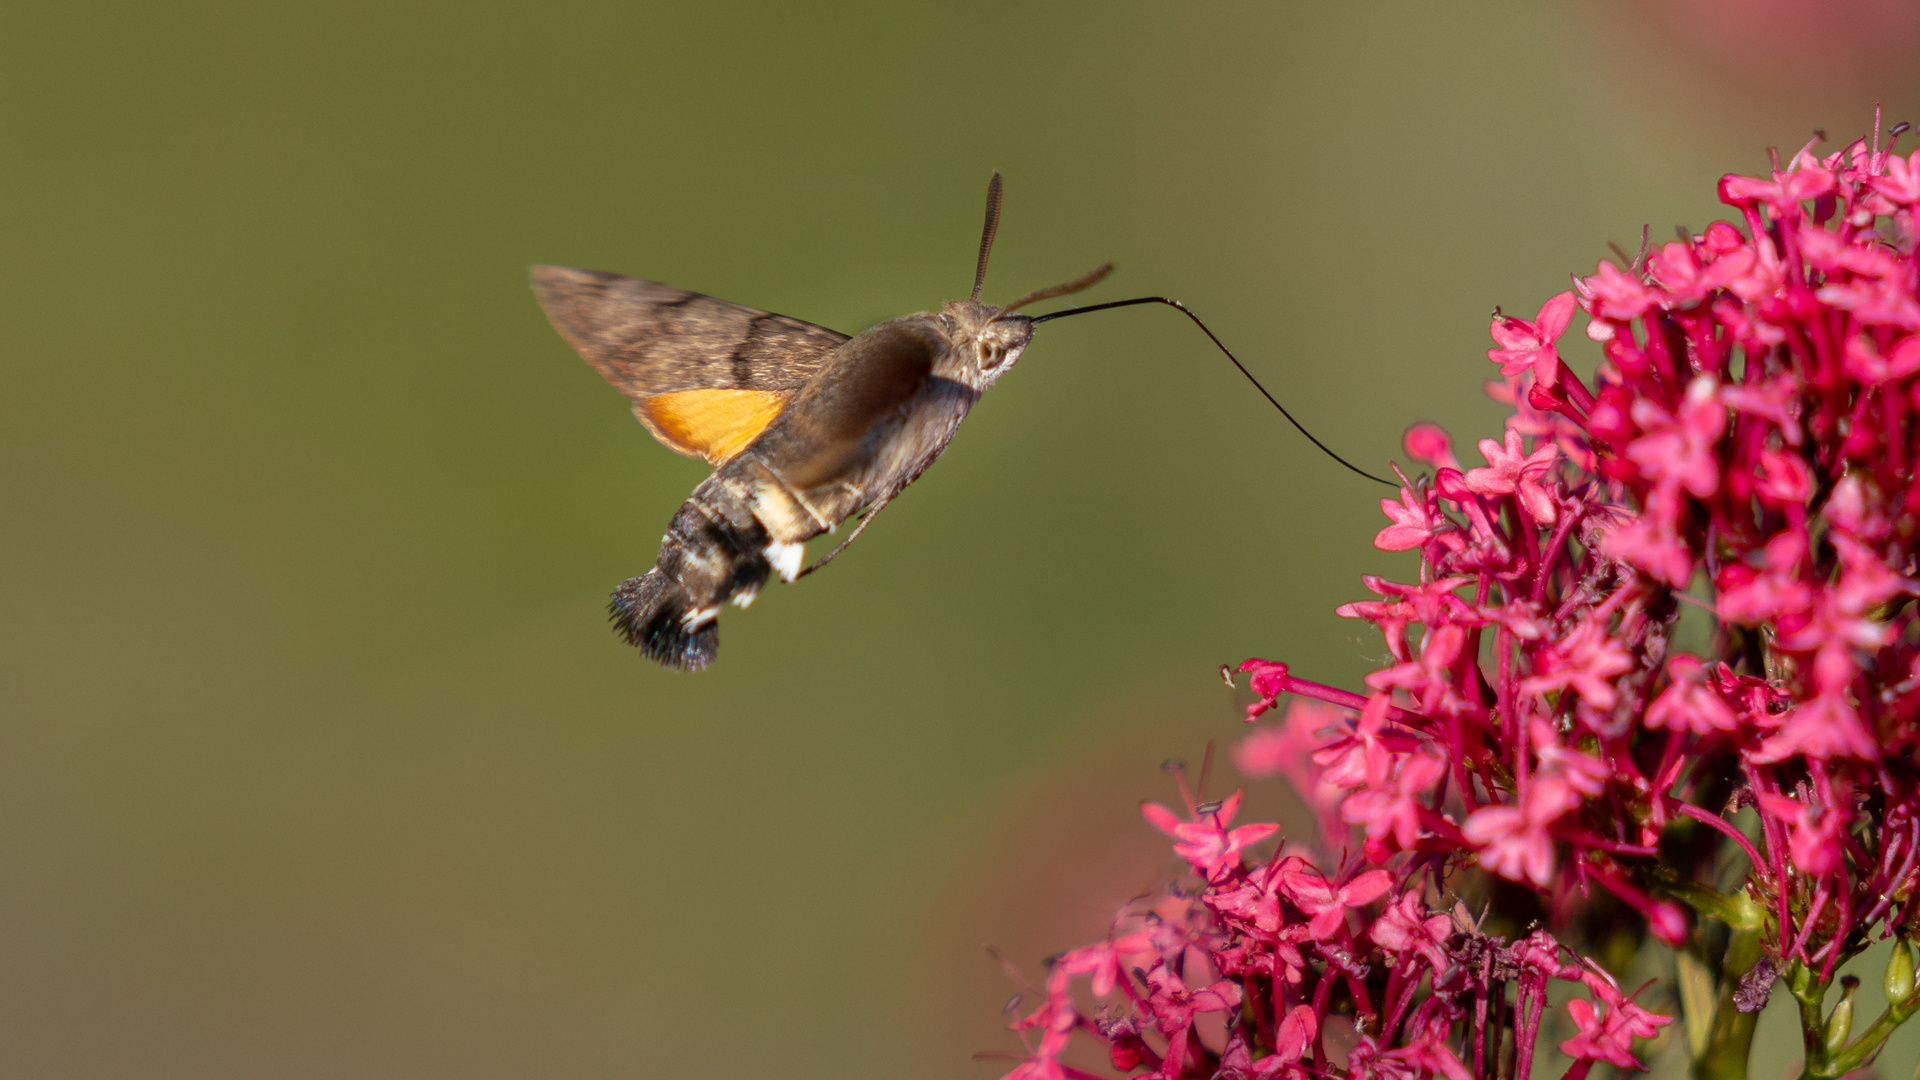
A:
(1429, 445)
(1668, 921)
(1840, 1021)
(1898, 981)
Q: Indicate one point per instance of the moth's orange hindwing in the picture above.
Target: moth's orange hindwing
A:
(714, 424)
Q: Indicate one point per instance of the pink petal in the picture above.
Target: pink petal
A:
(1554, 316)
(1161, 818)
(1366, 888)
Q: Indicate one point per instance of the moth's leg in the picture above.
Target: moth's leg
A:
(865, 520)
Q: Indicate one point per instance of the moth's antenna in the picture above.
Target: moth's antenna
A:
(1085, 281)
(1182, 309)
(986, 234)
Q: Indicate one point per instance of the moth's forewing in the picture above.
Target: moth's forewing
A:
(705, 376)
(649, 338)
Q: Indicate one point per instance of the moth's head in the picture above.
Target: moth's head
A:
(987, 341)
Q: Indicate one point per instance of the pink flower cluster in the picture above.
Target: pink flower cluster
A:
(1273, 948)
(1746, 449)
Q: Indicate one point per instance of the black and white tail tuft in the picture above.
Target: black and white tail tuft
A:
(672, 612)
(653, 612)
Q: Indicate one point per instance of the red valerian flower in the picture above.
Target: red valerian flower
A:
(1174, 1008)
(1206, 842)
(1616, 294)
(1901, 183)
(1099, 964)
(1739, 473)
(1414, 523)
(1682, 448)
(1292, 1036)
(1512, 471)
(1679, 269)
(1604, 1035)
(1515, 841)
(1391, 809)
(1406, 928)
(1529, 346)
(1326, 906)
(1784, 192)
(1815, 845)
(1586, 662)
(1688, 703)
(1425, 1056)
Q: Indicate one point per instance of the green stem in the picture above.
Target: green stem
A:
(1862, 1050)
(1731, 1038)
(1811, 994)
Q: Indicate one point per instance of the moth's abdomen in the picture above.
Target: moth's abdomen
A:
(672, 612)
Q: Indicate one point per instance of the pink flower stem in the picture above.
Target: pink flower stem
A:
(1820, 897)
(1347, 699)
(1503, 695)
(1321, 994)
(1362, 1003)
(1455, 725)
(1663, 919)
(1664, 776)
(1840, 932)
(1660, 350)
(1432, 821)
(1403, 1004)
(1476, 510)
(1860, 422)
(1578, 1070)
(1577, 393)
(1456, 753)
(1533, 995)
(1621, 759)
(1398, 989)
(1892, 882)
(1578, 837)
(1542, 576)
(1480, 1015)
(1708, 817)
(1773, 833)
(1895, 405)
(1423, 1014)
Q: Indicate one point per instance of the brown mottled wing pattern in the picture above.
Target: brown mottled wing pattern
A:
(647, 338)
(706, 377)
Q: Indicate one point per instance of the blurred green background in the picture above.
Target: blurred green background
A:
(317, 757)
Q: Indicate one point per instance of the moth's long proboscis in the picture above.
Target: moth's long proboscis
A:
(1211, 336)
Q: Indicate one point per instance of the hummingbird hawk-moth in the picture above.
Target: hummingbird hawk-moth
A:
(805, 427)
